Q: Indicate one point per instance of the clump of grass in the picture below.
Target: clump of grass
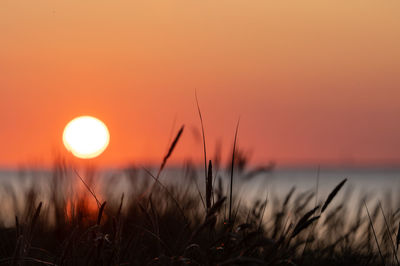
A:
(169, 227)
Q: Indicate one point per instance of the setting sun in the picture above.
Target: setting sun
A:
(86, 137)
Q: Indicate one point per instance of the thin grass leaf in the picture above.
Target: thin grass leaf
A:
(217, 206)
(376, 238)
(398, 238)
(232, 167)
(389, 234)
(101, 212)
(264, 207)
(209, 186)
(203, 135)
(304, 226)
(288, 196)
(200, 196)
(88, 188)
(305, 218)
(120, 205)
(171, 149)
(333, 194)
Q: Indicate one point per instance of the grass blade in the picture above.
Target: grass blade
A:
(232, 167)
(376, 238)
(209, 186)
(398, 238)
(88, 188)
(305, 218)
(333, 194)
(203, 135)
(389, 234)
(171, 149)
(303, 226)
(101, 212)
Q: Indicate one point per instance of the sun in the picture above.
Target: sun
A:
(86, 137)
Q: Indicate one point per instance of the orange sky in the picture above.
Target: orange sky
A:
(313, 81)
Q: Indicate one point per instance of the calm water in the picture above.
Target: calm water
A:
(380, 184)
(377, 181)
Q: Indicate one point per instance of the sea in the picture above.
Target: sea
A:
(378, 184)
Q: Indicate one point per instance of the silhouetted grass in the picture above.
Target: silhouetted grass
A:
(73, 221)
(169, 226)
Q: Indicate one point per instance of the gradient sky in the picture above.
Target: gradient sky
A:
(313, 81)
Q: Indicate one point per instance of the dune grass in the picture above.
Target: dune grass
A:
(162, 223)
(167, 224)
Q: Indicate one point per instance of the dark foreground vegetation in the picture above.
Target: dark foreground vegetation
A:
(190, 223)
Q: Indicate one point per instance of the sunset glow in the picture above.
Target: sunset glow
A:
(313, 81)
(86, 137)
(212, 132)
